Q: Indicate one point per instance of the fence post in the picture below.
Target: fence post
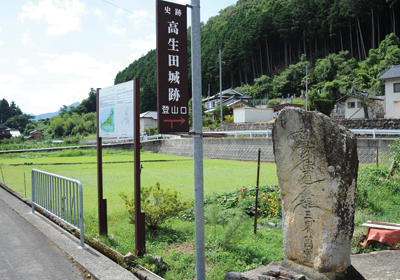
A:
(377, 157)
(33, 192)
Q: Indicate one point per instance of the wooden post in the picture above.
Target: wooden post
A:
(258, 180)
(140, 233)
(102, 203)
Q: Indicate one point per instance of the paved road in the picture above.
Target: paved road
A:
(25, 253)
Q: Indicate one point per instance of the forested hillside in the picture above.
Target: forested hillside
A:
(265, 37)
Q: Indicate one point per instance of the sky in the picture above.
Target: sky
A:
(52, 52)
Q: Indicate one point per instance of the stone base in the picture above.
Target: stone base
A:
(291, 271)
(311, 274)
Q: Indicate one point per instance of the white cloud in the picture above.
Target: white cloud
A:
(25, 38)
(51, 55)
(140, 18)
(1, 29)
(25, 68)
(1, 43)
(116, 30)
(81, 64)
(120, 11)
(62, 16)
(142, 46)
(100, 13)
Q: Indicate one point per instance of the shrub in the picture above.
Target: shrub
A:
(231, 225)
(273, 102)
(324, 106)
(269, 200)
(158, 204)
(151, 131)
(375, 191)
(394, 150)
(229, 119)
(207, 121)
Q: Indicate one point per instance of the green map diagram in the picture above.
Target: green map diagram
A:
(107, 122)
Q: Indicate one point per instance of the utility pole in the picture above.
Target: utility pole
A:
(220, 87)
(198, 141)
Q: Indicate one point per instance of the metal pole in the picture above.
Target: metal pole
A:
(306, 87)
(220, 87)
(197, 141)
(208, 102)
(258, 181)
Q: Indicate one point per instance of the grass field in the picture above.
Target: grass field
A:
(175, 240)
(170, 171)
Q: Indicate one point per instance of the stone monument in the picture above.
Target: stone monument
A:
(317, 166)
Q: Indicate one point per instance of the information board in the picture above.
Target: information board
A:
(172, 68)
(116, 110)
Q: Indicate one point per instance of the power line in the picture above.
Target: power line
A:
(128, 11)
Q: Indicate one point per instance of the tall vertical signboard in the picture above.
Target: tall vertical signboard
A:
(172, 68)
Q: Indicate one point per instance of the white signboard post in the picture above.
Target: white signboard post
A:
(116, 110)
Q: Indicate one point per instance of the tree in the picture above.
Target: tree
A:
(64, 109)
(4, 111)
(225, 111)
(19, 122)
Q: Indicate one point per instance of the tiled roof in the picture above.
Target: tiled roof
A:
(393, 72)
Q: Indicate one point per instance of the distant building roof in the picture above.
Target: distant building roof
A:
(149, 114)
(344, 97)
(226, 94)
(35, 131)
(393, 72)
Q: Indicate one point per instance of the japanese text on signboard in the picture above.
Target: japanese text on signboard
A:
(172, 71)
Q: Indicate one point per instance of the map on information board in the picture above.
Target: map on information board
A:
(116, 110)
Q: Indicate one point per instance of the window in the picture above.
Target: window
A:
(359, 104)
(351, 105)
(396, 87)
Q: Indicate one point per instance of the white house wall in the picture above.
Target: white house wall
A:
(391, 97)
(396, 108)
(146, 123)
(252, 115)
(352, 112)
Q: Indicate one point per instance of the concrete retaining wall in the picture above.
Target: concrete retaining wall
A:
(247, 149)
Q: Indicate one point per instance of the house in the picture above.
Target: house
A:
(392, 92)
(147, 120)
(352, 107)
(15, 133)
(35, 134)
(252, 115)
(5, 132)
(230, 98)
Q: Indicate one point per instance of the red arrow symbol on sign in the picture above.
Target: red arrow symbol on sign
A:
(182, 120)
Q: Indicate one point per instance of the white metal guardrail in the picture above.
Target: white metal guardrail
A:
(268, 132)
(251, 133)
(60, 197)
(375, 132)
